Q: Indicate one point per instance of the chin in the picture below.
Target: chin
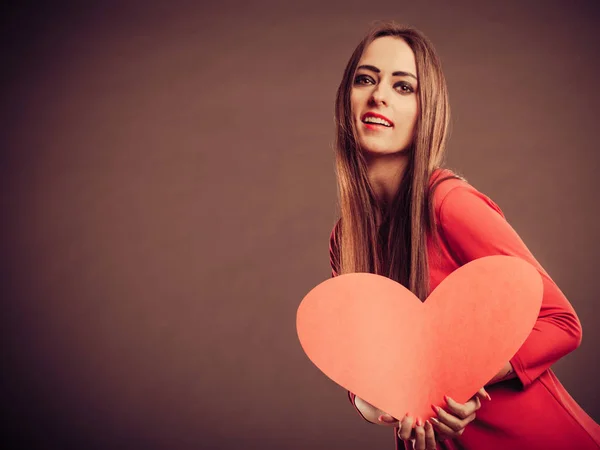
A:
(374, 150)
(377, 145)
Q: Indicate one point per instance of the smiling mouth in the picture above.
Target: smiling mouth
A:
(370, 119)
(376, 124)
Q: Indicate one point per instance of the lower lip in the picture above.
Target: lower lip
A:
(373, 126)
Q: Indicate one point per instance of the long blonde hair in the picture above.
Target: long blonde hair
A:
(396, 248)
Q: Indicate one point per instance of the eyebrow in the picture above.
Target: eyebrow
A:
(399, 73)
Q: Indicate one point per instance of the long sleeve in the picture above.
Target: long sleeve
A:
(473, 226)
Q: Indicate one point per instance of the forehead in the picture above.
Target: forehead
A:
(389, 54)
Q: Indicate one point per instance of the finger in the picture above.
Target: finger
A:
(429, 436)
(463, 410)
(387, 419)
(443, 431)
(405, 428)
(419, 435)
(483, 394)
(454, 422)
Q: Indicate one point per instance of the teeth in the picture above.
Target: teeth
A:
(371, 119)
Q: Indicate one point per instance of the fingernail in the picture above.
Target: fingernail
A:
(446, 398)
(380, 418)
(436, 409)
(488, 396)
(419, 422)
(434, 420)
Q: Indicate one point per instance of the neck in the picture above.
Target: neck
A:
(385, 174)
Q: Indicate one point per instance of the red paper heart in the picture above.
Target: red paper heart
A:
(373, 337)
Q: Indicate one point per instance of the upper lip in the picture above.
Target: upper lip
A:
(374, 114)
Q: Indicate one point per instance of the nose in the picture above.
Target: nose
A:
(379, 96)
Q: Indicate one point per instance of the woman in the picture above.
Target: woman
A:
(404, 217)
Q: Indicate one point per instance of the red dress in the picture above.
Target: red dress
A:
(532, 411)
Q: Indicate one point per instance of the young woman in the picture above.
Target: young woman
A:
(405, 217)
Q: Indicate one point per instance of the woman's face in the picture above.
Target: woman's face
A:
(383, 97)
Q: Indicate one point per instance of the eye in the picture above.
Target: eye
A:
(363, 80)
(404, 87)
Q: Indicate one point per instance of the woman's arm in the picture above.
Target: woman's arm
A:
(506, 373)
(473, 226)
(370, 413)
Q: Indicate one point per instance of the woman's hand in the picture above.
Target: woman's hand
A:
(451, 424)
(447, 425)
(422, 437)
(374, 414)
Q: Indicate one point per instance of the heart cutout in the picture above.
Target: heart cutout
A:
(373, 337)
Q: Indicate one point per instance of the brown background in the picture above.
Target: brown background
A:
(168, 192)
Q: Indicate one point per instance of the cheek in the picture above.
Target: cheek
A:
(406, 117)
(408, 114)
(359, 98)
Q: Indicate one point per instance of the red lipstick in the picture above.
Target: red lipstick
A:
(379, 116)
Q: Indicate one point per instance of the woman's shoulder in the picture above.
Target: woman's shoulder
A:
(453, 192)
(443, 181)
